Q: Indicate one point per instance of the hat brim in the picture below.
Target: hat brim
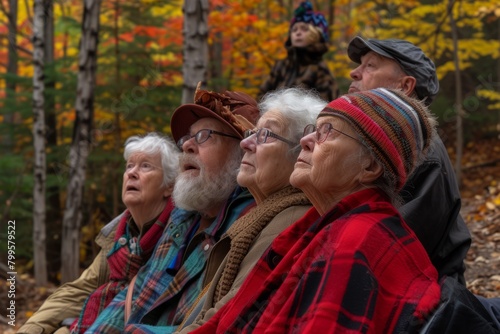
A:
(188, 114)
(358, 47)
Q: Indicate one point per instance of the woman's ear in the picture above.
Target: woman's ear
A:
(408, 84)
(371, 171)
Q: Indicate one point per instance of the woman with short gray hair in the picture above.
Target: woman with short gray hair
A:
(151, 166)
(271, 150)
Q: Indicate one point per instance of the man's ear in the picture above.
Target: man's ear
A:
(371, 171)
(408, 84)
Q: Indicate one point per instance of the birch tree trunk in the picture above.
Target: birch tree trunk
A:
(80, 146)
(39, 172)
(195, 52)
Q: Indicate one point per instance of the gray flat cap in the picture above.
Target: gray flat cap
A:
(411, 58)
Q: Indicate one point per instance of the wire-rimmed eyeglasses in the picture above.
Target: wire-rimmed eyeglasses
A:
(202, 136)
(261, 135)
(323, 131)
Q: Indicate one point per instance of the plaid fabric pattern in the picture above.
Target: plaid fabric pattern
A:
(358, 269)
(124, 263)
(162, 298)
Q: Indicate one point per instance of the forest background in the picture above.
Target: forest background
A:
(140, 80)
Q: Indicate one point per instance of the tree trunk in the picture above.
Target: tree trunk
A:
(331, 17)
(195, 34)
(80, 146)
(12, 67)
(115, 173)
(216, 77)
(39, 235)
(53, 196)
(458, 96)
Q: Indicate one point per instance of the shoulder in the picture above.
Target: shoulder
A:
(437, 153)
(379, 225)
(107, 233)
(287, 217)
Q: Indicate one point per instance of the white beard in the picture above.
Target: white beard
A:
(204, 192)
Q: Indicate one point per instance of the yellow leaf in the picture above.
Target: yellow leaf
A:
(490, 206)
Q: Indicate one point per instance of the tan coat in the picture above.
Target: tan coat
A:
(284, 219)
(67, 301)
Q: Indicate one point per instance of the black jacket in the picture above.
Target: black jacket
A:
(432, 209)
(459, 312)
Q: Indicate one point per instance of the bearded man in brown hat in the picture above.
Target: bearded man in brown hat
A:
(207, 199)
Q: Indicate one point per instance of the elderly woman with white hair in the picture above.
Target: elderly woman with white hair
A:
(350, 264)
(126, 243)
(271, 150)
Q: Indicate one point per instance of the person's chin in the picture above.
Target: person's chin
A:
(130, 200)
(244, 179)
(190, 173)
(298, 177)
(353, 90)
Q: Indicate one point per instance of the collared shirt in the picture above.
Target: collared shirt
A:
(160, 298)
(359, 268)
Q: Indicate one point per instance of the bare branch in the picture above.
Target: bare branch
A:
(23, 49)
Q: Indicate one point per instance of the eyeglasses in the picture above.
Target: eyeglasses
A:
(323, 131)
(263, 134)
(202, 136)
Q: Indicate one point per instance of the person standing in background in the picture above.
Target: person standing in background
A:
(304, 67)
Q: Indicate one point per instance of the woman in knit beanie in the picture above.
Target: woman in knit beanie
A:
(350, 264)
(304, 67)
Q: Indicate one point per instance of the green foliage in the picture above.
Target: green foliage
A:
(139, 80)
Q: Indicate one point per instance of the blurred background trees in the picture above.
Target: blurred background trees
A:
(139, 82)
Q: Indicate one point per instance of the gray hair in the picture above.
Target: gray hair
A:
(299, 106)
(154, 143)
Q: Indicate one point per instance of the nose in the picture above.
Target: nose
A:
(307, 142)
(249, 143)
(132, 172)
(189, 146)
(356, 73)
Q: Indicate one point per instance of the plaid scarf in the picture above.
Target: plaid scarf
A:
(124, 263)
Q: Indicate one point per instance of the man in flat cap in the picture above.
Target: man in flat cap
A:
(431, 195)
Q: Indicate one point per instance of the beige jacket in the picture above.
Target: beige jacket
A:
(67, 301)
(284, 219)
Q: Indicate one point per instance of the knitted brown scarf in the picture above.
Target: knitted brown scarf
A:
(244, 231)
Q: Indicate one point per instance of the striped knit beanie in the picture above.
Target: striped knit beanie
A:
(395, 127)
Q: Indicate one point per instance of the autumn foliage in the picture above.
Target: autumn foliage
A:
(139, 78)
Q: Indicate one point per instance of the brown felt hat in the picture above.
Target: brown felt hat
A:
(237, 110)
